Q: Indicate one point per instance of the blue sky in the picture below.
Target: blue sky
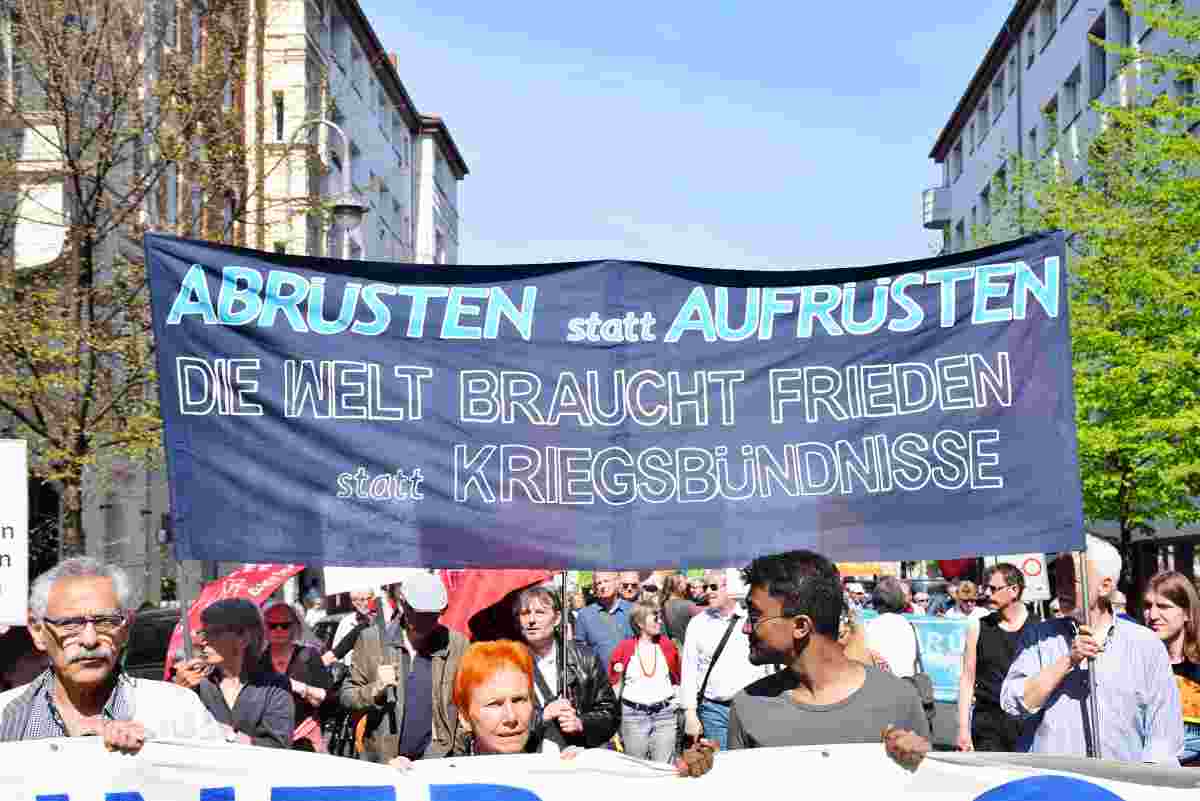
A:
(706, 133)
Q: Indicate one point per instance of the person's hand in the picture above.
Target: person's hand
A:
(328, 658)
(233, 736)
(906, 748)
(691, 723)
(1084, 646)
(963, 743)
(386, 674)
(568, 719)
(190, 673)
(123, 736)
(557, 707)
(697, 760)
(401, 763)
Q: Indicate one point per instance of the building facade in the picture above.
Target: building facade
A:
(307, 63)
(1031, 97)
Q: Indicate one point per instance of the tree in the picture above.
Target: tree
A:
(103, 99)
(1131, 206)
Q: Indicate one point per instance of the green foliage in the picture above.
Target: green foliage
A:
(1131, 204)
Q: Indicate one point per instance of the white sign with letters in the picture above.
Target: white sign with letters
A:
(14, 532)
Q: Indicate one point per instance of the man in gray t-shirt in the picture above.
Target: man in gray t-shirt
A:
(766, 713)
(820, 697)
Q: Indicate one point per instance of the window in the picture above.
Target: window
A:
(1070, 97)
(960, 235)
(985, 205)
(971, 137)
(1120, 31)
(1013, 73)
(1048, 20)
(277, 98)
(339, 40)
(956, 161)
(984, 119)
(1185, 91)
(1097, 61)
(998, 95)
(1030, 45)
(356, 68)
(974, 221)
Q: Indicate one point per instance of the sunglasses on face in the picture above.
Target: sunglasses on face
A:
(988, 589)
(712, 587)
(281, 626)
(649, 588)
(625, 586)
(921, 599)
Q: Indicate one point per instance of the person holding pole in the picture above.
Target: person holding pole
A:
(1136, 709)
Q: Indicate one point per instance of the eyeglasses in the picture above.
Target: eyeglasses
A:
(649, 588)
(711, 587)
(920, 599)
(988, 589)
(625, 586)
(279, 626)
(753, 621)
(104, 624)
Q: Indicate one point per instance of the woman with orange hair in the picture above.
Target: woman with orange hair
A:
(493, 692)
(1171, 608)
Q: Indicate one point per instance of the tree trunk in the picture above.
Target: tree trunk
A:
(72, 539)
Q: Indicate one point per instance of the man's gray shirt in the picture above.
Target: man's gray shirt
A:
(765, 714)
(1141, 717)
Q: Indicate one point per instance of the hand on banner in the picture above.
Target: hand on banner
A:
(402, 764)
(691, 723)
(906, 748)
(1084, 646)
(562, 711)
(124, 736)
(698, 759)
(963, 742)
(234, 736)
(328, 658)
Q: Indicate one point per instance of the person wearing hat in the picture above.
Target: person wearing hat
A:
(403, 677)
(966, 602)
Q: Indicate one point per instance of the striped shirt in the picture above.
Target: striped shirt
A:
(45, 720)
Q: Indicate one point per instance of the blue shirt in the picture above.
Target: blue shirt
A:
(601, 629)
(1141, 717)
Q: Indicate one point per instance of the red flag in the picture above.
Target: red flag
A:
(474, 591)
(255, 582)
(953, 568)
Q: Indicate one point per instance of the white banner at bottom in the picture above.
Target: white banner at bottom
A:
(81, 770)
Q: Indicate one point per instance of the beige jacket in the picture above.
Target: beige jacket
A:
(363, 691)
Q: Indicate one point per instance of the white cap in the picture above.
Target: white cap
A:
(424, 592)
(855, 587)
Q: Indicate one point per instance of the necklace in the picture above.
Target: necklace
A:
(654, 660)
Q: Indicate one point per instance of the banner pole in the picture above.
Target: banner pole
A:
(185, 617)
(562, 635)
(1092, 705)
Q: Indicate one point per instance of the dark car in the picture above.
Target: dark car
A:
(146, 654)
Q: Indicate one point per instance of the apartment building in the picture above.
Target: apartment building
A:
(310, 65)
(1031, 96)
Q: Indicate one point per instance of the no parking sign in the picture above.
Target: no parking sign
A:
(1033, 565)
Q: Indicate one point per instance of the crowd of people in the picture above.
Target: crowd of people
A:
(668, 669)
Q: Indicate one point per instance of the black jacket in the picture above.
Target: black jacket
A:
(593, 698)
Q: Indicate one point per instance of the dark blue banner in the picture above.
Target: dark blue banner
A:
(608, 413)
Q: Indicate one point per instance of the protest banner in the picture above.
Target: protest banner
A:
(942, 643)
(351, 579)
(614, 413)
(14, 533)
(196, 771)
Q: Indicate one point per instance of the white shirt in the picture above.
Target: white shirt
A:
(548, 666)
(733, 670)
(976, 613)
(892, 637)
(652, 687)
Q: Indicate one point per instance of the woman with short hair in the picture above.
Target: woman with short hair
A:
(301, 664)
(646, 669)
(241, 691)
(1171, 608)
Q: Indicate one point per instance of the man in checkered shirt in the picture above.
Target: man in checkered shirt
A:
(80, 612)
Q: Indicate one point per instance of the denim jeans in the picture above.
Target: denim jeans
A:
(648, 736)
(715, 720)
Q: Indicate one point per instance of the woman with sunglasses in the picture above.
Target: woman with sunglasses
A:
(645, 670)
(309, 678)
(1171, 608)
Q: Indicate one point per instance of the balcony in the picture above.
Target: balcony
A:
(935, 207)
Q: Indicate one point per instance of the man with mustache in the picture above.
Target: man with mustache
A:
(80, 613)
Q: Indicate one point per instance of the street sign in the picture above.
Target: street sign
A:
(14, 533)
(1033, 565)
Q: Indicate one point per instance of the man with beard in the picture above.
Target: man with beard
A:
(1137, 699)
(821, 697)
(80, 613)
(992, 643)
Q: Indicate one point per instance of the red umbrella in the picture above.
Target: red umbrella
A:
(953, 568)
(255, 582)
(474, 591)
